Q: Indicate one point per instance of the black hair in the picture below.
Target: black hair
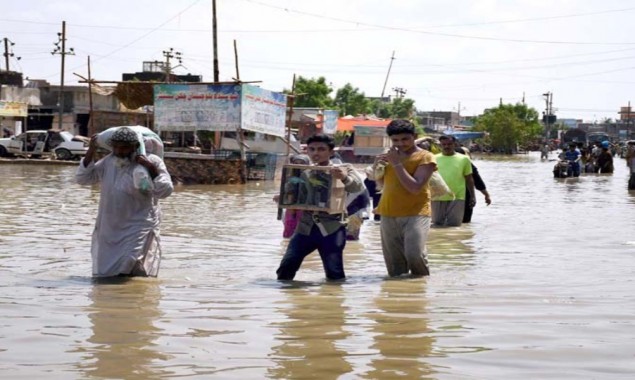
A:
(446, 137)
(328, 140)
(399, 126)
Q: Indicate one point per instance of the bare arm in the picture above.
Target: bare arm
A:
(90, 153)
(414, 183)
(469, 181)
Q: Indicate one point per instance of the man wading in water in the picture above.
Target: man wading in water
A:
(320, 230)
(126, 237)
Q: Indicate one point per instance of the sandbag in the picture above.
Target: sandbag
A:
(150, 142)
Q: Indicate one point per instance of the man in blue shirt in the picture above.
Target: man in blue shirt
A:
(573, 156)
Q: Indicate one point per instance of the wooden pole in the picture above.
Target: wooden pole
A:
(6, 53)
(90, 102)
(61, 95)
(217, 134)
(290, 103)
(215, 41)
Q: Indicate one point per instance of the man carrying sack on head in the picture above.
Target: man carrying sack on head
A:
(125, 240)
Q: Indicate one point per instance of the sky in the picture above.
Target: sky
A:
(451, 55)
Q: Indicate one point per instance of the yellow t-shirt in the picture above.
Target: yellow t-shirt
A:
(395, 200)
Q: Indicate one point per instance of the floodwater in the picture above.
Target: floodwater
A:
(541, 285)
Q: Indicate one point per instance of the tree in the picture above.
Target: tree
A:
(312, 93)
(510, 125)
(351, 101)
(402, 108)
(399, 108)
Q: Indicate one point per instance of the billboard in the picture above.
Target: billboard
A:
(218, 107)
(330, 121)
(263, 111)
(13, 109)
(188, 107)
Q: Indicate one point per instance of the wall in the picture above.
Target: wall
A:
(202, 169)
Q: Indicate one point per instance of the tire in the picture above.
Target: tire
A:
(63, 154)
(3, 151)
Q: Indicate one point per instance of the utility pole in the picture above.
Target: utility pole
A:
(215, 39)
(8, 53)
(61, 50)
(383, 90)
(628, 121)
(168, 69)
(399, 92)
(548, 113)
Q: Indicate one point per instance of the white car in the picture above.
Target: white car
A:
(39, 143)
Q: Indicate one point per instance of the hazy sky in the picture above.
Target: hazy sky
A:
(450, 52)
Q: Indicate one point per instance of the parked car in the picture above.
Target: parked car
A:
(4, 145)
(62, 144)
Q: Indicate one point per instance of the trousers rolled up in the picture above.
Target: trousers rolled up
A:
(403, 243)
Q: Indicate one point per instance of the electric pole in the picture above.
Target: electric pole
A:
(548, 113)
(383, 90)
(399, 92)
(8, 53)
(60, 48)
(168, 69)
(215, 41)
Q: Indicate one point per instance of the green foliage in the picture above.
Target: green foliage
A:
(509, 125)
(399, 108)
(351, 101)
(312, 93)
(402, 108)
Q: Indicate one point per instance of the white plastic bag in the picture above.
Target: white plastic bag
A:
(141, 178)
(149, 142)
(438, 187)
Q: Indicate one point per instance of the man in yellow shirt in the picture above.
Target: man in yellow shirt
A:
(405, 201)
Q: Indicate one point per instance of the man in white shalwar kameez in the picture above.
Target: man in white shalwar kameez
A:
(126, 239)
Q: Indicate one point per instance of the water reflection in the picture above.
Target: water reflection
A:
(450, 246)
(309, 337)
(401, 333)
(122, 315)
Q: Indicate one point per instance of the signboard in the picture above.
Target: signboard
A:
(330, 121)
(370, 141)
(189, 107)
(13, 109)
(263, 110)
(225, 107)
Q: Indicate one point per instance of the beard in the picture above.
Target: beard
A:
(122, 162)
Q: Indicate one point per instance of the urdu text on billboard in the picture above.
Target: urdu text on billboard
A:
(187, 107)
(263, 111)
(227, 107)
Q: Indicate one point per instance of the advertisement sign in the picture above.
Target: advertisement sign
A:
(330, 121)
(13, 109)
(189, 107)
(263, 111)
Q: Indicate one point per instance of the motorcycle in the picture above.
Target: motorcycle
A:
(565, 169)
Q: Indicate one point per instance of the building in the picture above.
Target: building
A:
(156, 71)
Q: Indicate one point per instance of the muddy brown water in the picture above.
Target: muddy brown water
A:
(540, 285)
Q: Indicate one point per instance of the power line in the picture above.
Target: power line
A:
(403, 29)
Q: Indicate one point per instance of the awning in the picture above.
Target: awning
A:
(464, 135)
